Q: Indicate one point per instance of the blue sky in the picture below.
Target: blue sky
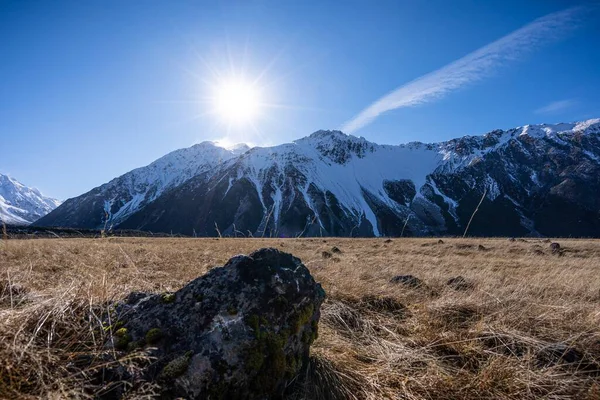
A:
(90, 90)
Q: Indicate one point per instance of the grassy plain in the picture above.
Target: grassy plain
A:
(526, 325)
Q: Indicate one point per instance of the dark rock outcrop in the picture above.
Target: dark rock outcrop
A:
(242, 331)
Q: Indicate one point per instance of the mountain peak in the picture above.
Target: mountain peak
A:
(322, 133)
(336, 145)
(22, 205)
(239, 148)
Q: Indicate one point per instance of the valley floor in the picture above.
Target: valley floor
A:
(523, 324)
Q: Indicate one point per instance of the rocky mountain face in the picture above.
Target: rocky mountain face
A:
(21, 205)
(538, 180)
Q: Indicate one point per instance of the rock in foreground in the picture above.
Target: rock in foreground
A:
(242, 331)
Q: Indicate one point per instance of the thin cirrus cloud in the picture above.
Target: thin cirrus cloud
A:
(473, 67)
(556, 106)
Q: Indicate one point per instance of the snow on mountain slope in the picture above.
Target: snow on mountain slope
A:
(113, 202)
(21, 205)
(330, 183)
(344, 165)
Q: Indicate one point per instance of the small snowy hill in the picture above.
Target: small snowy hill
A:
(21, 205)
(538, 180)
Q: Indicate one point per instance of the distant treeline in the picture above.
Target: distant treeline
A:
(33, 232)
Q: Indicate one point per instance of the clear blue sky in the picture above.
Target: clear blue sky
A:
(92, 89)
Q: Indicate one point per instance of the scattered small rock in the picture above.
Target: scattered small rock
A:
(241, 331)
(459, 283)
(555, 247)
(326, 254)
(481, 248)
(558, 353)
(463, 246)
(383, 304)
(336, 250)
(387, 241)
(440, 241)
(407, 280)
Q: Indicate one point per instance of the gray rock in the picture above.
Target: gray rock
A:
(242, 331)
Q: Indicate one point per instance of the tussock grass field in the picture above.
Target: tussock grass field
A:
(524, 323)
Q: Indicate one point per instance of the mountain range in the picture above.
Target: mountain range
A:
(534, 180)
(21, 205)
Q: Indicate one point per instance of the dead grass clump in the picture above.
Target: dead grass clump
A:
(346, 319)
(383, 304)
(12, 294)
(460, 283)
(453, 316)
(324, 380)
(55, 346)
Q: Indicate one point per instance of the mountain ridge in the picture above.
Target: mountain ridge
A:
(330, 183)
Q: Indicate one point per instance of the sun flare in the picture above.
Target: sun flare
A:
(237, 102)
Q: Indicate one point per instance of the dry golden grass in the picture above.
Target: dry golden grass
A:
(378, 340)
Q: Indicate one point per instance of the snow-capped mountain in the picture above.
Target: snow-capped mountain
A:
(21, 205)
(537, 180)
(112, 203)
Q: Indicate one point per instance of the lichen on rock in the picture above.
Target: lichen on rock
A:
(241, 331)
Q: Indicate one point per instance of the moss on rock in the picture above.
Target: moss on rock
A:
(266, 359)
(304, 315)
(176, 367)
(154, 336)
(168, 298)
(122, 339)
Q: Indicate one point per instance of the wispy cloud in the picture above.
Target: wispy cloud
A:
(472, 67)
(556, 106)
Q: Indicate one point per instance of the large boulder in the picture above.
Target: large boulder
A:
(242, 331)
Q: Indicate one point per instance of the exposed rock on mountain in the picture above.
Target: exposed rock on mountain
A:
(537, 180)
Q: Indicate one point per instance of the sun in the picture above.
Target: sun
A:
(237, 102)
